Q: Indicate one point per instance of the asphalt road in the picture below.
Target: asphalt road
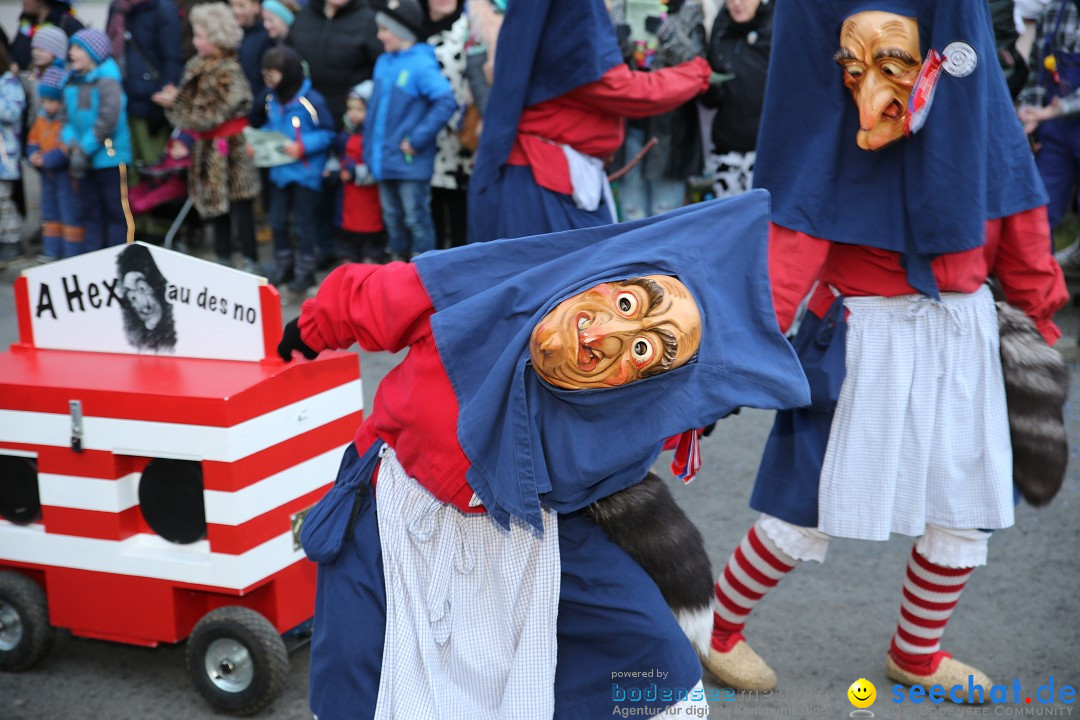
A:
(823, 628)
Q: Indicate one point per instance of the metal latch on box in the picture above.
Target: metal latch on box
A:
(75, 408)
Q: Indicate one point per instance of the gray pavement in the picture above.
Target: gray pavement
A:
(823, 628)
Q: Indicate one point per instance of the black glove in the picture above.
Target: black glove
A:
(290, 340)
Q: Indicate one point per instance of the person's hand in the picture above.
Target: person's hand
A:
(345, 175)
(290, 341)
(293, 150)
(1031, 116)
(165, 96)
(36, 159)
(407, 148)
(178, 151)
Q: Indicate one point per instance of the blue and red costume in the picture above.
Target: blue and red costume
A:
(469, 420)
(560, 81)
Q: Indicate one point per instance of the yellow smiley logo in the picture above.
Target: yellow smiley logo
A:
(862, 693)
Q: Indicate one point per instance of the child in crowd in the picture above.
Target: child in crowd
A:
(277, 17)
(12, 107)
(98, 141)
(48, 48)
(410, 103)
(359, 215)
(256, 42)
(61, 234)
(295, 110)
(212, 103)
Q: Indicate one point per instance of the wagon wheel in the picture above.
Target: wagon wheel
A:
(25, 633)
(237, 660)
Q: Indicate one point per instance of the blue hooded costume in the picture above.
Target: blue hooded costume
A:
(532, 444)
(922, 196)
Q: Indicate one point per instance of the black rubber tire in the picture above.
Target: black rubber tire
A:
(266, 653)
(27, 599)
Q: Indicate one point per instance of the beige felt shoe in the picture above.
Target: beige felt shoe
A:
(949, 673)
(740, 668)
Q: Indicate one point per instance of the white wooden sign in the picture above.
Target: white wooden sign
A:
(142, 299)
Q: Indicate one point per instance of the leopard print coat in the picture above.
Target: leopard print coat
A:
(214, 91)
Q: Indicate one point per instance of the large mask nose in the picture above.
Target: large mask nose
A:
(608, 337)
(874, 95)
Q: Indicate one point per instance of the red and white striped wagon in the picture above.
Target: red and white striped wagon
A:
(154, 493)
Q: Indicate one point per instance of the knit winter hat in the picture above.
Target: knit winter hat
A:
(94, 42)
(401, 17)
(51, 39)
(362, 91)
(51, 85)
(278, 8)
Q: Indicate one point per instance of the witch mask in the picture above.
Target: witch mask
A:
(617, 332)
(879, 52)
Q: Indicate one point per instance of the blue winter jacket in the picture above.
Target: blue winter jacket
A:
(96, 110)
(411, 100)
(316, 133)
(152, 55)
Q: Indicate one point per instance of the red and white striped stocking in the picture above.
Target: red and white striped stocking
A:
(930, 596)
(755, 567)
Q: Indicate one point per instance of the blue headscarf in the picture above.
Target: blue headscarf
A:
(923, 195)
(530, 442)
(546, 48)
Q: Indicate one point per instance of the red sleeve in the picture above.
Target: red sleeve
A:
(1030, 277)
(381, 307)
(795, 261)
(622, 91)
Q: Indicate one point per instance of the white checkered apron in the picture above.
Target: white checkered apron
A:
(470, 609)
(921, 432)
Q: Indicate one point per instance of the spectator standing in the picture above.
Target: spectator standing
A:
(1049, 106)
(61, 234)
(12, 107)
(295, 110)
(256, 42)
(446, 29)
(37, 14)
(358, 212)
(739, 47)
(145, 37)
(338, 40)
(212, 103)
(277, 18)
(98, 141)
(411, 102)
(658, 183)
(485, 21)
(48, 48)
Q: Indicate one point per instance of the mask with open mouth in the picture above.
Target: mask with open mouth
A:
(617, 332)
(879, 52)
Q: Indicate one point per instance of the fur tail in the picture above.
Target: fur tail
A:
(1036, 387)
(645, 521)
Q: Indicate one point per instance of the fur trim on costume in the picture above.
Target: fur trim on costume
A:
(645, 521)
(1036, 387)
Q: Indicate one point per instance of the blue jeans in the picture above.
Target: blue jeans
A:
(303, 203)
(406, 209)
(641, 198)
